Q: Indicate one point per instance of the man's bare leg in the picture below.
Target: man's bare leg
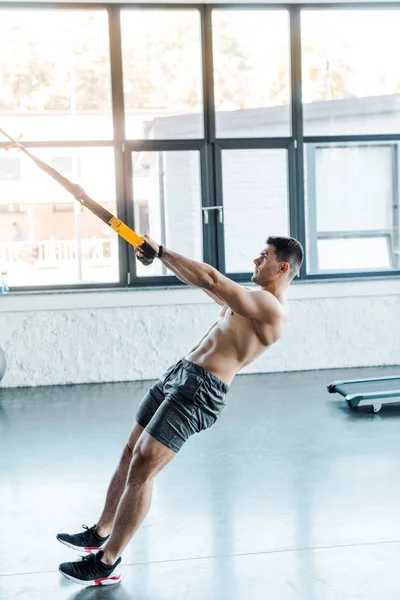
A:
(117, 485)
(149, 458)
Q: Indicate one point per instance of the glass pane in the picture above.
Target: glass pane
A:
(167, 203)
(251, 73)
(46, 237)
(162, 66)
(351, 80)
(366, 253)
(352, 210)
(55, 74)
(255, 193)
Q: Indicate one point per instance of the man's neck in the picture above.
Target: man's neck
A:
(279, 291)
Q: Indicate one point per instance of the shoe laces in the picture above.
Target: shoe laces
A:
(89, 528)
(90, 556)
(92, 565)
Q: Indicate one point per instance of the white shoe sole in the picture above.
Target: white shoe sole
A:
(113, 580)
(79, 548)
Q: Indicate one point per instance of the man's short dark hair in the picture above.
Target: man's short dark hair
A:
(288, 250)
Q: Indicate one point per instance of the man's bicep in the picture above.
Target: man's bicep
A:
(239, 299)
(214, 297)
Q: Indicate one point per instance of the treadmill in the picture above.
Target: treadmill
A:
(358, 392)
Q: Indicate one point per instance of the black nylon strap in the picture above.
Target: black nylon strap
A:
(149, 254)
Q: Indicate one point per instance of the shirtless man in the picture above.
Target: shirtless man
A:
(188, 398)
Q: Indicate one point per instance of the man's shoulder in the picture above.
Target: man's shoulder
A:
(272, 311)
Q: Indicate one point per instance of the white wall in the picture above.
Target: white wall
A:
(134, 335)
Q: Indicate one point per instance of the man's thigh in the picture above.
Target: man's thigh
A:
(150, 404)
(171, 426)
(148, 407)
(177, 419)
(134, 435)
(153, 399)
(168, 426)
(180, 405)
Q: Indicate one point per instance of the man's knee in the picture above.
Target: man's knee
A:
(142, 467)
(127, 452)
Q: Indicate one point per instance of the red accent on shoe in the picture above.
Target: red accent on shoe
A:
(90, 549)
(99, 581)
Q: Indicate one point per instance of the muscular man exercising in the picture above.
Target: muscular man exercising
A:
(188, 398)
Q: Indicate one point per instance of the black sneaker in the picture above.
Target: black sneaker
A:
(91, 571)
(87, 541)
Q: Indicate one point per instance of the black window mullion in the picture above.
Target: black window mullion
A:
(160, 145)
(212, 242)
(395, 207)
(205, 178)
(312, 242)
(219, 214)
(254, 143)
(130, 213)
(119, 134)
(296, 156)
(208, 74)
(364, 138)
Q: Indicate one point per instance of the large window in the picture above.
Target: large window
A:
(167, 184)
(251, 73)
(255, 191)
(351, 95)
(54, 241)
(352, 201)
(162, 74)
(207, 127)
(55, 76)
(351, 80)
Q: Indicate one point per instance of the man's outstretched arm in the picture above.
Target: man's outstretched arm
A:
(187, 270)
(242, 301)
(253, 305)
(195, 273)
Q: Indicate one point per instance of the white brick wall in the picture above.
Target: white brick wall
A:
(47, 342)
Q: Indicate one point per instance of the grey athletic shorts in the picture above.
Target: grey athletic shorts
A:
(186, 400)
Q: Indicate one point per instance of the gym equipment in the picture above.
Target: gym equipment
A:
(79, 194)
(3, 364)
(356, 391)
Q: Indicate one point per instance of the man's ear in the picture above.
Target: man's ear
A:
(284, 267)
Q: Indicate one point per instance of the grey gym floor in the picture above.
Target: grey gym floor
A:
(289, 496)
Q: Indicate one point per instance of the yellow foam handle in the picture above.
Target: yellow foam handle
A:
(126, 232)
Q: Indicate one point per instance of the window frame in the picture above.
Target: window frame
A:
(210, 147)
(329, 139)
(313, 142)
(314, 236)
(131, 147)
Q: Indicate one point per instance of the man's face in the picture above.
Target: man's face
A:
(266, 267)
